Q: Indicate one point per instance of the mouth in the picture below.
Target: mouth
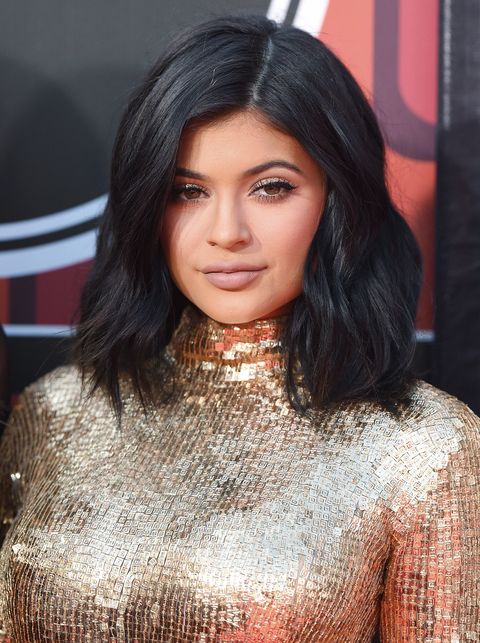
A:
(232, 278)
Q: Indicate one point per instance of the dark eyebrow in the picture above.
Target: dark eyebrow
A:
(269, 164)
(183, 171)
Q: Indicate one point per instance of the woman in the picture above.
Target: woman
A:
(240, 451)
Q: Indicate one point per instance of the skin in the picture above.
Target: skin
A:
(230, 216)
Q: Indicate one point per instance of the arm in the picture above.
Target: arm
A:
(432, 589)
(17, 445)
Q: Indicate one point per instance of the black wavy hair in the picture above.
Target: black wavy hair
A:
(352, 328)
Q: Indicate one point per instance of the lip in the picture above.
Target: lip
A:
(231, 267)
(231, 276)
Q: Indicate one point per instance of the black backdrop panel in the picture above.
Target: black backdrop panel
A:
(457, 348)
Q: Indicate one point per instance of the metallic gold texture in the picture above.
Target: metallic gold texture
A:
(225, 515)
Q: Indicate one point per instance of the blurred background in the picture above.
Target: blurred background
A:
(68, 68)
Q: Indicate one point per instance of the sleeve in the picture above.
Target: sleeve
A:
(432, 583)
(20, 440)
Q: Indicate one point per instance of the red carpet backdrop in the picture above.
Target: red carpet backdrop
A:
(67, 71)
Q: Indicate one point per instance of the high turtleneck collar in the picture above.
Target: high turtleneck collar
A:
(239, 351)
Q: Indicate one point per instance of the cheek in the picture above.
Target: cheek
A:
(176, 240)
(165, 234)
(290, 242)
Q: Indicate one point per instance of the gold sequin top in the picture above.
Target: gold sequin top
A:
(226, 516)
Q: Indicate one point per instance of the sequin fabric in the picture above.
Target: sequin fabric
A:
(223, 515)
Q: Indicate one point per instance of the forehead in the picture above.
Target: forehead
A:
(239, 138)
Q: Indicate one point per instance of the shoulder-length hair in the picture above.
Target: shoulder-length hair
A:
(352, 328)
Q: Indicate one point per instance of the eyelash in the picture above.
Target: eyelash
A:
(177, 190)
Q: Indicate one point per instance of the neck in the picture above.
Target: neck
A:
(233, 351)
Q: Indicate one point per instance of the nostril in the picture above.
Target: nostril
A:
(228, 234)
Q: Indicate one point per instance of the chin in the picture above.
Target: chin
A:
(242, 314)
(231, 317)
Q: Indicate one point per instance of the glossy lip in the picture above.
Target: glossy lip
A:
(231, 267)
(231, 276)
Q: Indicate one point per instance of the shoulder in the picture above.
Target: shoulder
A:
(439, 415)
(437, 443)
(428, 413)
(62, 395)
(55, 407)
(66, 394)
(34, 417)
(432, 398)
(54, 396)
(434, 426)
(55, 390)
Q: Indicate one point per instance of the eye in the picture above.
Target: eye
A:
(274, 189)
(187, 192)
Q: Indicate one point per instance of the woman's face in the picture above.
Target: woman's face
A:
(246, 203)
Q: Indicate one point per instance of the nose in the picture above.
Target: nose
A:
(227, 226)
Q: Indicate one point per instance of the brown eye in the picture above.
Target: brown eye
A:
(272, 189)
(192, 193)
(187, 192)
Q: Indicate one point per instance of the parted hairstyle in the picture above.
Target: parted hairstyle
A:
(351, 330)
